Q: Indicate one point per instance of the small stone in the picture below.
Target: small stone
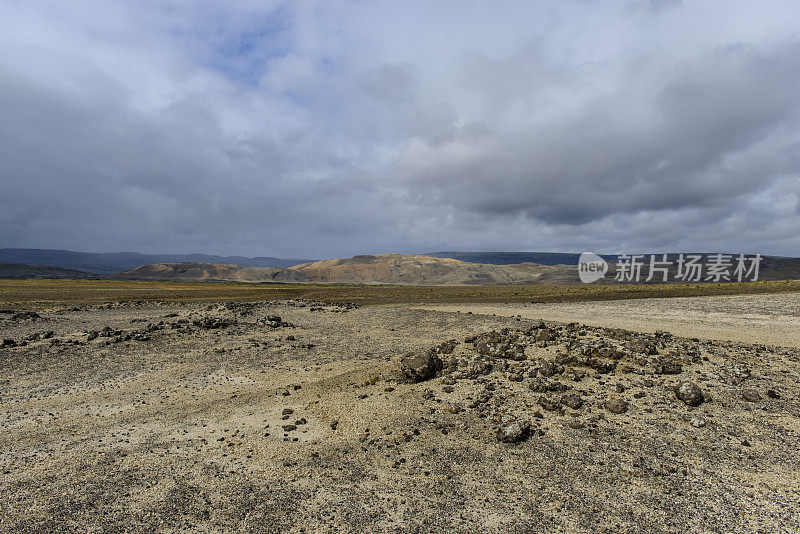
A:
(289, 428)
(514, 432)
(689, 392)
(334, 424)
(667, 366)
(576, 424)
(549, 404)
(447, 389)
(616, 405)
(751, 395)
(697, 422)
(287, 411)
(772, 394)
(455, 408)
(572, 400)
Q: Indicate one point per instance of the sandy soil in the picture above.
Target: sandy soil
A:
(768, 319)
(186, 417)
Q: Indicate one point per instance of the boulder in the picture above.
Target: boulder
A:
(419, 367)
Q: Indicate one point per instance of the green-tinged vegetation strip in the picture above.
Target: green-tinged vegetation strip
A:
(17, 293)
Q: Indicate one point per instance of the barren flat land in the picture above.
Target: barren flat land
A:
(209, 408)
(747, 318)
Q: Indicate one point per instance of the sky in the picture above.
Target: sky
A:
(334, 128)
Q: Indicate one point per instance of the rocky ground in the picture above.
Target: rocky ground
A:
(305, 417)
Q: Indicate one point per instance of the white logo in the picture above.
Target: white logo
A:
(591, 267)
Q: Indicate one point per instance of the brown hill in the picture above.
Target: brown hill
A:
(199, 272)
(423, 270)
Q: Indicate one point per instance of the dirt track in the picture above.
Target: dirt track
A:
(767, 319)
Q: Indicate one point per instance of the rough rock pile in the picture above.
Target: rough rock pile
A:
(511, 378)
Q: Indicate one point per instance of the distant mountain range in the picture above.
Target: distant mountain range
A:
(19, 270)
(209, 272)
(439, 268)
(117, 262)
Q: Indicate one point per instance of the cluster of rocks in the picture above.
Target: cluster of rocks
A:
(562, 369)
(316, 305)
(119, 336)
(274, 321)
(210, 322)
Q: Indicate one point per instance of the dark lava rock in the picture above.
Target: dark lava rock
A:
(616, 405)
(572, 400)
(549, 404)
(667, 366)
(419, 367)
(689, 392)
(514, 432)
(772, 394)
(601, 366)
(751, 395)
(543, 386)
(548, 369)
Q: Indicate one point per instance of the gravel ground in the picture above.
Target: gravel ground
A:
(770, 319)
(300, 417)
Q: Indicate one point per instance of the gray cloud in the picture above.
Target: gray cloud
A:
(315, 130)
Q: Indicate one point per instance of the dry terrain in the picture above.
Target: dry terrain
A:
(745, 318)
(176, 415)
(16, 293)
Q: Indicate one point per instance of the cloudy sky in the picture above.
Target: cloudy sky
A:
(327, 129)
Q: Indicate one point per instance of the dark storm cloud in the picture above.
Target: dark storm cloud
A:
(311, 129)
(605, 160)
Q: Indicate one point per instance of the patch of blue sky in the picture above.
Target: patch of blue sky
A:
(241, 46)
